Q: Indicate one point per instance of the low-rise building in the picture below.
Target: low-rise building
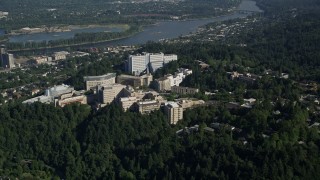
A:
(78, 54)
(184, 90)
(82, 99)
(135, 81)
(146, 107)
(186, 103)
(3, 14)
(40, 59)
(162, 84)
(187, 130)
(127, 102)
(59, 95)
(61, 90)
(42, 99)
(62, 55)
(103, 80)
(284, 75)
(35, 91)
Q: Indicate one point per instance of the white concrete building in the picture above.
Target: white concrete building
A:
(42, 99)
(165, 83)
(60, 96)
(156, 61)
(170, 57)
(59, 90)
(148, 62)
(137, 64)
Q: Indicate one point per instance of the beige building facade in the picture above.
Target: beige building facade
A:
(174, 112)
(184, 90)
(135, 81)
(109, 93)
(127, 103)
(103, 80)
(146, 107)
(69, 100)
(163, 84)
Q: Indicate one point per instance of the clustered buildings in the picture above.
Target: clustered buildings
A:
(57, 56)
(172, 83)
(125, 90)
(106, 90)
(60, 96)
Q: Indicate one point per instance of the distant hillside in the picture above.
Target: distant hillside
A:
(276, 5)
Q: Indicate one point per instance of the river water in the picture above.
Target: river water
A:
(162, 30)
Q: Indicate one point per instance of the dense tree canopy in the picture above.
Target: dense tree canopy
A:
(278, 138)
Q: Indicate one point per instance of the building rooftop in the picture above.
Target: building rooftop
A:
(62, 52)
(129, 76)
(172, 104)
(146, 103)
(99, 78)
(42, 99)
(165, 77)
(110, 86)
(58, 90)
(124, 99)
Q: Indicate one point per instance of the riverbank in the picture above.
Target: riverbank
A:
(150, 32)
(63, 28)
(75, 45)
(141, 28)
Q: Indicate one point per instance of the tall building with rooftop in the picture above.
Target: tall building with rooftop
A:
(156, 61)
(108, 93)
(137, 64)
(174, 112)
(93, 81)
(148, 62)
(7, 59)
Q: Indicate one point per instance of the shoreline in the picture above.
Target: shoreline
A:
(74, 45)
(62, 28)
(113, 25)
(141, 29)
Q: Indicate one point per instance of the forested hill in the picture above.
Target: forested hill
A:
(272, 6)
(41, 141)
(277, 139)
(72, 12)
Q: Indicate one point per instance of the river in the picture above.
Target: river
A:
(162, 30)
